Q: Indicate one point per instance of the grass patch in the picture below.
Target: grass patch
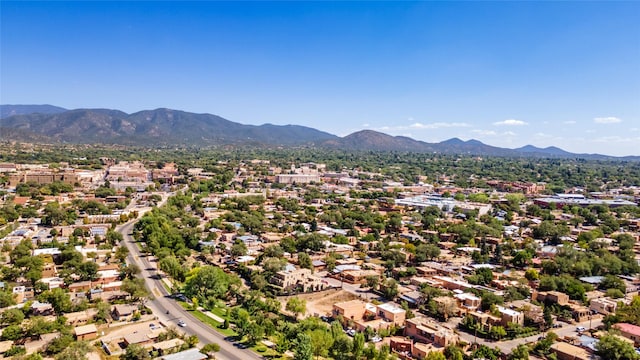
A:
(222, 312)
(166, 287)
(184, 305)
(207, 320)
(214, 324)
(266, 352)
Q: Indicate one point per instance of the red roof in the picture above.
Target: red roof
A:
(628, 328)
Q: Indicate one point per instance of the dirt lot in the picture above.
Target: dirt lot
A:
(321, 303)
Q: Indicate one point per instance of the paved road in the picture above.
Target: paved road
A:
(508, 345)
(161, 304)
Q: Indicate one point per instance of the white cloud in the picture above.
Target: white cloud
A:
(481, 132)
(510, 122)
(421, 126)
(365, 125)
(569, 122)
(634, 129)
(485, 132)
(437, 125)
(607, 120)
(590, 131)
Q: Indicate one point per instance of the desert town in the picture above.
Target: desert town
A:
(138, 260)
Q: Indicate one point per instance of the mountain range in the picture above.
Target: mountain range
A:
(160, 127)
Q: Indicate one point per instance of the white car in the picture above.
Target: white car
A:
(580, 329)
(182, 323)
(351, 332)
(376, 339)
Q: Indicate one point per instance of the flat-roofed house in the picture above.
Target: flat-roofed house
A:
(123, 312)
(510, 316)
(429, 331)
(604, 306)
(191, 354)
(140, 338)
(565, 351)
(85, 332)
(353, 309)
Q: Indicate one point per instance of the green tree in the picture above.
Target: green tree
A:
(389, 288)
(304, 260)
(255, 332)
(548, 316)
(521, 352)
(358, 345)
(58, 298)
(296, 306)
(497, 332)
(426, 252)
(207, 282)
(74, 351)
(11, 317)
(210, 348)
(239, 248)
(6, 299)
(121, 253)
(531, 274)
(435, 355)
(60, 343)
(611, 347)
(135, 288)
(12, 332)
(321, 341)
(485, 352)
(172, 266)
(453, 352)
(341, 349)
(488, 299)
(135, 352)
(613, 282)
(303, 350)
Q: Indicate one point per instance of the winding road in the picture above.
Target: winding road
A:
(169, 311)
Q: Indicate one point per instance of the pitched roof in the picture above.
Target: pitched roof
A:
(628, 328)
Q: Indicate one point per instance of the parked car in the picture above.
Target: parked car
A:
(580, 329)
(181, 323)
(351, 332)
(376, 339)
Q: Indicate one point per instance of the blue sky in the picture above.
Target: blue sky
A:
(506, 73)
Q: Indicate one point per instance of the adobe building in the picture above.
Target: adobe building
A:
(85, 332)
(629, 331)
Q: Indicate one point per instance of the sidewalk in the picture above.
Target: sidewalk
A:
(211, 315)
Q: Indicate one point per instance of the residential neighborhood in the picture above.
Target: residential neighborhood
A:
(125, 260)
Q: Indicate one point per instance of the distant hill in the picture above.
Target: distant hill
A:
(373, 140)
(159, 127)
(10, 110)
(548, 150)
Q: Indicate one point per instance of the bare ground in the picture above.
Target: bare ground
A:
(320, 303)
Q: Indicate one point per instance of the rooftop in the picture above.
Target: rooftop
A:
(392, 308)
(628, 328)
(191, 354)
(85, 329)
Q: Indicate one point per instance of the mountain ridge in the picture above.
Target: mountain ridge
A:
(163, 126)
